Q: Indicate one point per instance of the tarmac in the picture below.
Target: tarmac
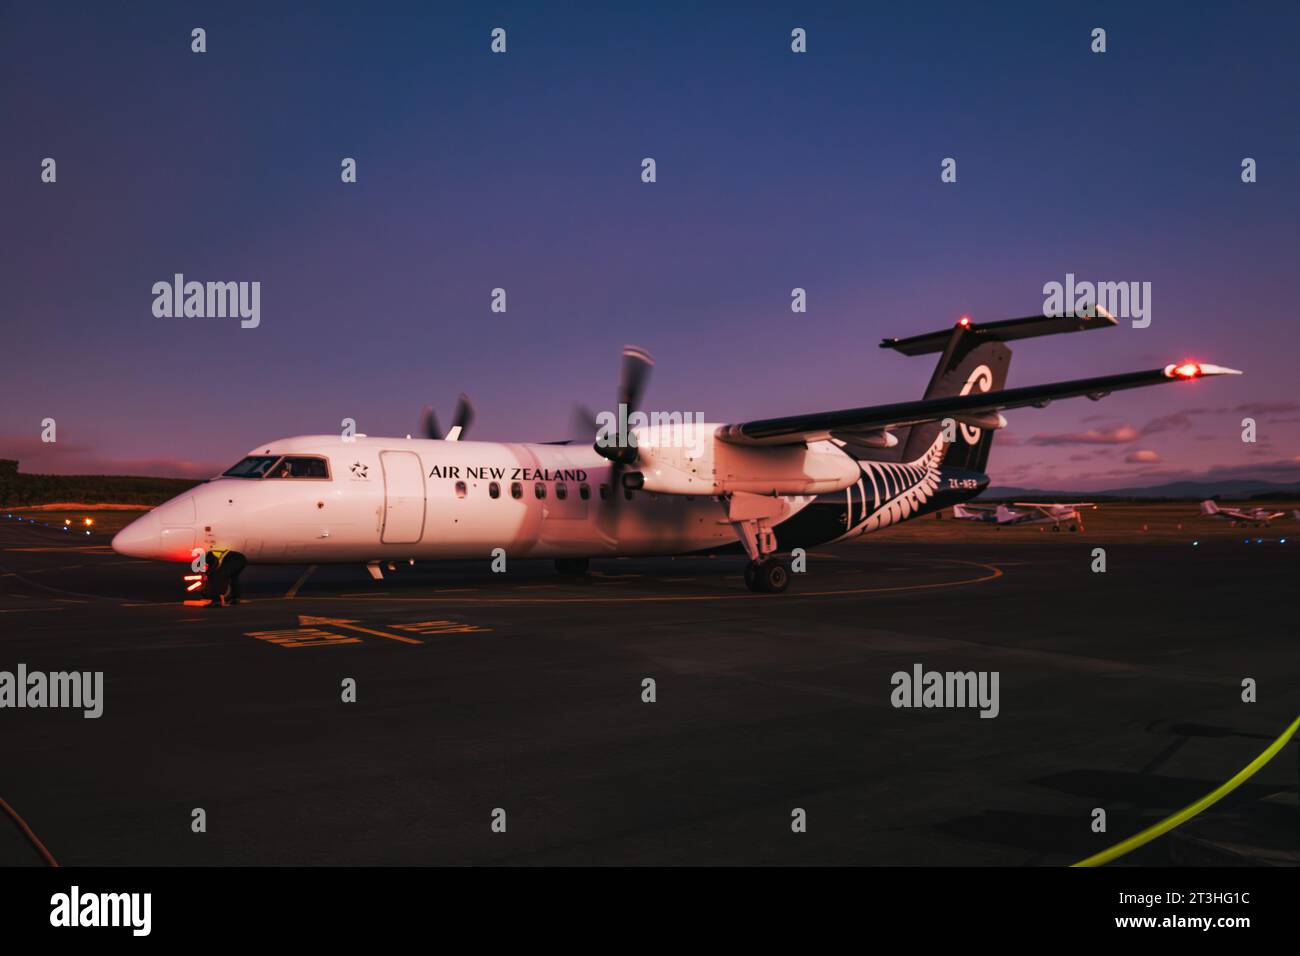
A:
(524, 692)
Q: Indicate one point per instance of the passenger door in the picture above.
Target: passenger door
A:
(403, 497)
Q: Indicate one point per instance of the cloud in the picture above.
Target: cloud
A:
(1142, 456)
(1119, 435)
(1283, 471)
(1268, 408)
(1165, 423)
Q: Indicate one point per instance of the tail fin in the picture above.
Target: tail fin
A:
(973, 358)
(961, 371)
(1208, 507)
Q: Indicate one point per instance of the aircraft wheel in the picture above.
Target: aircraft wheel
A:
(1074, 528)
(769, 577)
(1056, 528)
(572, 567)
(749, 576)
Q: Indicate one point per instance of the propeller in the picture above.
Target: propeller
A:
(584, 424)
(460, 422)
(637, 364)
(633, 378)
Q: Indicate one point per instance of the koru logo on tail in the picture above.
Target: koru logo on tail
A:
(981, 378)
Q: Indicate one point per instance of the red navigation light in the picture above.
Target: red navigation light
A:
(964, 321)
(1187, 370)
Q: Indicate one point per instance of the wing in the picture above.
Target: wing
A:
(978, 409)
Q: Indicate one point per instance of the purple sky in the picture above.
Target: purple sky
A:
(521, 171)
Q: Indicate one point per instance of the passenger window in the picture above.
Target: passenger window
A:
(604, 492)
(301, 468)
(561, 490)
(461, 489)
(584, 491)
(539, 490)
(516, 490)
(627, 493)
(494, 490)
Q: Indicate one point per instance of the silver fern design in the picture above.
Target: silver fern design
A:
(889, 492)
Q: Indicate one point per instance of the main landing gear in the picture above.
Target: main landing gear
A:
(768, 576)
(751, 518)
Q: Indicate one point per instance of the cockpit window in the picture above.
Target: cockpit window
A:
(300, 467)
(254, 466)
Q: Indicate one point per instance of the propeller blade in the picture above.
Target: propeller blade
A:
(429, 423)
(461, 420)
(633, 378)
(584, 423)
(637, 364)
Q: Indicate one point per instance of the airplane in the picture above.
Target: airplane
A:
(1259, 517)
(1033, 513)
(669, 486)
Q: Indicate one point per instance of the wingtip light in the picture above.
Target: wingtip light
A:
(1189, 370)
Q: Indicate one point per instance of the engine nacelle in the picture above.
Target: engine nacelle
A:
(690, 460)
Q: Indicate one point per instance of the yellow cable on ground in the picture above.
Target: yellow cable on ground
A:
(1187, 812)
(27, 832)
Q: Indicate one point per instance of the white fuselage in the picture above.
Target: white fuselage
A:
(389, 499)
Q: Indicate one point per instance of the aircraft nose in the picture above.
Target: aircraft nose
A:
(142, 538)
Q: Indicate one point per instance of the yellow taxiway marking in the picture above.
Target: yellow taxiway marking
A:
(303, 637)
(311, 632)
(441, 627)
(305, 621)
(993, 574)
(293, 591)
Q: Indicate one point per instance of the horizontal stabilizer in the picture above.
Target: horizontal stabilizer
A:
(1004, 330)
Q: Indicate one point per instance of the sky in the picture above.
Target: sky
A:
(522, 171)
